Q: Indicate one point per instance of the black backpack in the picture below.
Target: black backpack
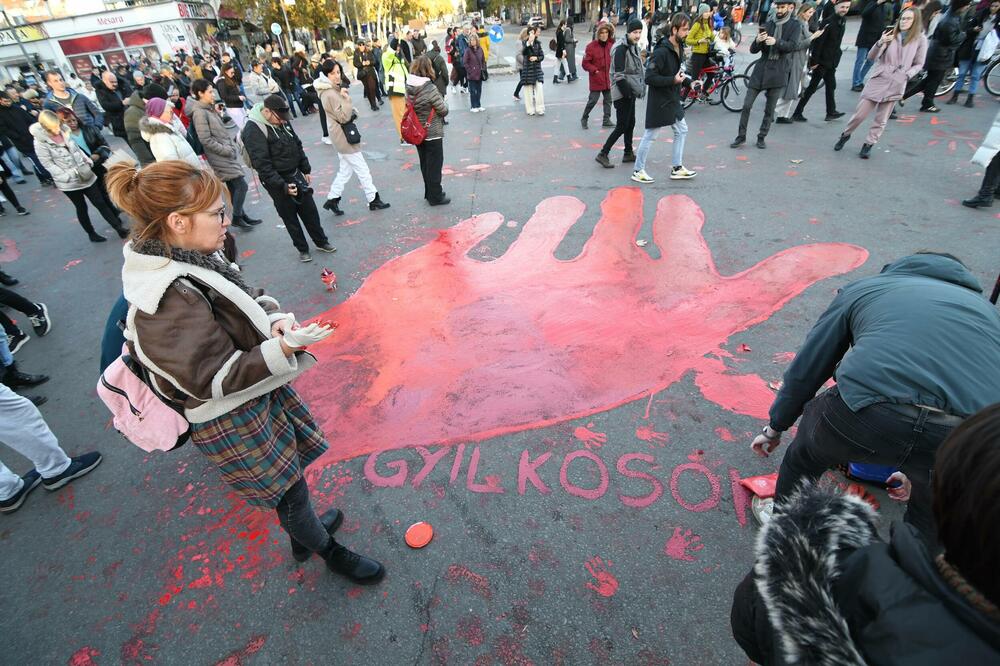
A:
(192, 138)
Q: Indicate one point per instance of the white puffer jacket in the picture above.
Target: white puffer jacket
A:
(168, 142)
(70, 168)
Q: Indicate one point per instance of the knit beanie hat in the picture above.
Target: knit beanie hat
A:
(155, 107)
(634, 24)
(703, 7)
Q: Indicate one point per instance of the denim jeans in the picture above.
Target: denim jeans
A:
(13, 160)
(475, 92)
(861, 66)
(299, 520)
(238, 193)
(830, 434)
(964, 68)
(6, 358)
(680, 135)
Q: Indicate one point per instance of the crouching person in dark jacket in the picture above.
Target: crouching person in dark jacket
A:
(900, 387)
(826, 590)
(276, 155)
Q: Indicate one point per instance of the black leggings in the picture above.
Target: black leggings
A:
(96, 196)
(624, 124)
(9, 193)
(14, 300)
(299, 520)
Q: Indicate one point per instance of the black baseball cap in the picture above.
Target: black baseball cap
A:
(279, 106)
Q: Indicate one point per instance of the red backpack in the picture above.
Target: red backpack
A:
(410, 128)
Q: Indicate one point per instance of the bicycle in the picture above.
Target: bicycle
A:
(749, 70)
(990, 78)
(731, 88)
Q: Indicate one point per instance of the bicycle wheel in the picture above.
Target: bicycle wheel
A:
(991, 79)
(948, 82)
(688, 96)
(749, 69)
(737, 35)
(734, 92)
(715, 98)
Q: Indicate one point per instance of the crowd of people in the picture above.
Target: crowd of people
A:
(224, 354)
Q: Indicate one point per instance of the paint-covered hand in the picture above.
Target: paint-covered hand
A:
(438, 347)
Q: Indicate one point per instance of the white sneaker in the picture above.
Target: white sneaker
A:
(327, 140)
(641, 177)
(681, 173)
(541, 113)
(463, 90)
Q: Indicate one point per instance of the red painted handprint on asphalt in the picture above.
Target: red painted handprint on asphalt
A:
(590, 438)
(680, 543)
(436, 347)
(607, 584)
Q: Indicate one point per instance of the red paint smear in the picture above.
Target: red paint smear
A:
(351, 631)
(8, 251)
(480, 584)
(134, 650)
(71, 264)
(470, 629)
(682, 545)
(724, 434)
(743, 394)
(237, 658)
(84, 657)
(604, 583)
(567, 339)
(791, 173)
(248, 253)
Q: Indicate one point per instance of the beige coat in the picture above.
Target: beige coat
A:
(339, 109)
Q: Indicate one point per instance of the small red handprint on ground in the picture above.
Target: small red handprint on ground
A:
(590, 438)
(647, 434)
(682, 544)
(605, 584)
(437, 347)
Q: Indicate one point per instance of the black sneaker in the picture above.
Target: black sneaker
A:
(78, 466)
(738, 141)
(362, 570)
(326, 247)
(784, 121)
(252, 221)
(17, 340)
(834, 115)
(23, 211)
(41, 322)
(604, 161)
(760, 143)
(8, 280)
(331, 521)
(305, 257)
(13, 503)
(799, 118)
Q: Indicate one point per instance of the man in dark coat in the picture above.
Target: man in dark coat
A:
(900, 389)
(875, 16)
(276, 153)
(944, 43)
(597, 63)
(61, 96)
(111, 100)
(14, 124)
(775, 42)
(824, 56)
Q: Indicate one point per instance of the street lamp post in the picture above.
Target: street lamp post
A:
(24, 51)
(288, 29)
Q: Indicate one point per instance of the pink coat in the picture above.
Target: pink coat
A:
(896, 64)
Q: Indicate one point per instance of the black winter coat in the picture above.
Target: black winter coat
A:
(14, 124)
(532, 73)
(967, 49)
(947, 37)
(663, 107)
(825, 50)
(276, 155)
(113, 103)
(774, 73)
(874, 18)
(229, 92)
(838, 595)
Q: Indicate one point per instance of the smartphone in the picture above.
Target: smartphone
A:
(761, 31)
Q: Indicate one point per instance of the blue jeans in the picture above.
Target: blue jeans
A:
(13, 160)
(680, 135)
(475, 92)
(6, 358)
(861, 66)
(964, 68)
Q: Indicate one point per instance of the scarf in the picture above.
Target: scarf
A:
(779, 24)
(958, 582)
(212, 262)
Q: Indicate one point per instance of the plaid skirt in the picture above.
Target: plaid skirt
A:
(262, 447)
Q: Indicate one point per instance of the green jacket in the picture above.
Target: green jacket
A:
(919, 333)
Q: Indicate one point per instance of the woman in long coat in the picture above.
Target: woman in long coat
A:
(899, 55)
(799, 59)
(532, 75)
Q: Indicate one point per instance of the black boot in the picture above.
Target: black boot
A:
(969, 103)
(240, 223)
(866, 149)
(842, 141)
(13, 378)
(954, 97)
(331, 521)
(121, 230)
(377, 203)
(333, 205)
(7, 280)
(96, 237)
(360, 569)
(979, 201)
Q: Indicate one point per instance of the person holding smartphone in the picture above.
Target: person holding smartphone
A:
(823, 60)
(775, 41)
(899, 55)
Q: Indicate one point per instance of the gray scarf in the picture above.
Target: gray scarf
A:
(212, 262)
(779, 25)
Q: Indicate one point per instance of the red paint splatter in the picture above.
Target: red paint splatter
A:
(247, 253)
(783, 357)
(648, 434)
(477, 167)
(470, 629)
(84, 657)
(8, 251)
(741, 498)
(724, 434)
(743, 394)
(409, 367)
(605, 584)
(590, 438)
(238, 657)
(682, 544)
(351, 631)
(71, 264)
(792, 173)
(480, 584)
(134, 650)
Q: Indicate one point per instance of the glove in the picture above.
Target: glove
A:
(303, 337)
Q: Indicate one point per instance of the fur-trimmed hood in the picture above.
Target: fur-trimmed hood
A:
(796, 569)
(151, 126)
